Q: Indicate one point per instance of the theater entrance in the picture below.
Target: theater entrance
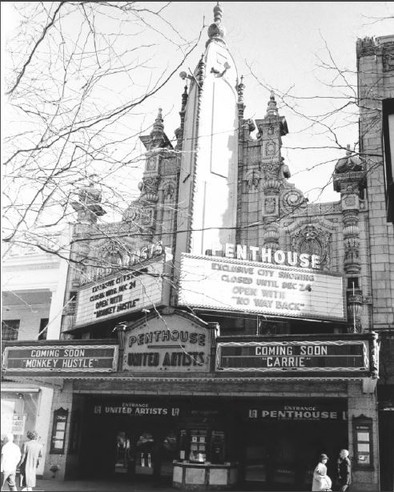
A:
(123, 448)
(272, 444)
(282, 455)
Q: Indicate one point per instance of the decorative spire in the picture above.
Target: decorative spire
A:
(157, 133)
(240, 90)
(184, 99)
(272, 108)
(158, 125)
(200, 72)
(179, 131)
(216, 31)
(217, 13)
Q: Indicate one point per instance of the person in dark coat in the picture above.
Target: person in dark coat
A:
(31, 452)
(344, 470)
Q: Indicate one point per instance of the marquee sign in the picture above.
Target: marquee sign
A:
(294, 356)
(122, 293)
(61, 358)
(168, 344)
(234, 285)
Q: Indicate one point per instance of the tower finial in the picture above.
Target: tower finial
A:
(217, 13)
(272, 106)
(240, 90)
(216, 30)
(157, 133)
(158, 125)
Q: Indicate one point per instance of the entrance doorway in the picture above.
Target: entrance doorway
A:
(282, 455)
(125, 449)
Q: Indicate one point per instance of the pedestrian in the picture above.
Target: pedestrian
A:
(31, 452)
(10, 457)
(344, 470)
(321, 481)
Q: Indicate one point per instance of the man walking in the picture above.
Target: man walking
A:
(10, 456)
(344, 470)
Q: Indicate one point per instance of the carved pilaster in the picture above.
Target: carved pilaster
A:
(271, 236)
(354, 309)
(349, 180)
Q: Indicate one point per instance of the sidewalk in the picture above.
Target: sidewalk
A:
(52, 485)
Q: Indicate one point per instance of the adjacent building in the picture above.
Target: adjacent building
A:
(226, 331)
(33, 290)
(375, 67)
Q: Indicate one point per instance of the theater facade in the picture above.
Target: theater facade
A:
(223, 337)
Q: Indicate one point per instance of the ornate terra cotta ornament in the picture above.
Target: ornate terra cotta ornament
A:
(271, 205)
(252, 181)
(292, 200)
(270, 149)
(313, 239)
(388, 58)
(169, 190)
(149, 188)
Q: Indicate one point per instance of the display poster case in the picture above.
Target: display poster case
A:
(198, 445)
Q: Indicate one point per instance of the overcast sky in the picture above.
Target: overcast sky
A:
(279, 45)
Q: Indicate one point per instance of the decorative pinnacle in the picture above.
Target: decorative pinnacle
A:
(215, 30)
(217, 13)
(272, 106)
(240, 89)
(184, 99)
(158, 125)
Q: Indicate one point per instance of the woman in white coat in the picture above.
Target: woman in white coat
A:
(321, 481)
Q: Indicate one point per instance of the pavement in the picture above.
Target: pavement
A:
(49, 485)
(53, 485)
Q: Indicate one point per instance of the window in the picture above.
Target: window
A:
(43, 332)
(10, 329)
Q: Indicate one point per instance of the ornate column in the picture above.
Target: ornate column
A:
(349, 180)
(271, 130)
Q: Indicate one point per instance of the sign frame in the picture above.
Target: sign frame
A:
(295, 370)
(235, 267)
(161, 261)
(8, 350)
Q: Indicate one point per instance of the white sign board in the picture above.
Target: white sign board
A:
(120, 294)
(233, 285)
